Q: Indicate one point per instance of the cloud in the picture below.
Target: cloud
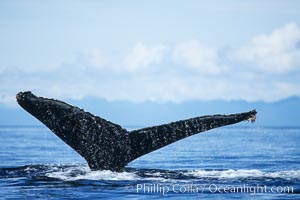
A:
(275, 53)
(142, 56)
(139, 58)
(94, 58)
(197, 57)
(180, 72)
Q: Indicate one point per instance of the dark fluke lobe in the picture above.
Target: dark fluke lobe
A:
(108, 146)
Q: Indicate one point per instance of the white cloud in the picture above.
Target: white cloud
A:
(182, 73)
(197, 57)
(143, 56)
(276, 53)
(8, 100)
(28, 69)
(96, 58)
(139, 58)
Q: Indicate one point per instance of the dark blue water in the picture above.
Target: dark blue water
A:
(225, 163)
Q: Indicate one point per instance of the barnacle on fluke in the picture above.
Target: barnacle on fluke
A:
(108, 146)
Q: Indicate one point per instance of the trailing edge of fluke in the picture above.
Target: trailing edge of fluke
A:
(108, 146)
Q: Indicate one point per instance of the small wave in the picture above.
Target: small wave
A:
(82, 172)
(244, 174)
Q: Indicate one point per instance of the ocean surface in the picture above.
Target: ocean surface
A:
(232, 162)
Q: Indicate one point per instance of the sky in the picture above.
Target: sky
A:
(160, 51)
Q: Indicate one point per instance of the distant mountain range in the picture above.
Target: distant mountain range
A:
(281, 113)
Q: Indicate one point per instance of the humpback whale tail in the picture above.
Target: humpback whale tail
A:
(108, 146)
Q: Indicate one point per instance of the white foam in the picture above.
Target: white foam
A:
(252, 173)
(84, 173)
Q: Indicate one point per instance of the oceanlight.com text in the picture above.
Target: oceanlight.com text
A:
(185, 188)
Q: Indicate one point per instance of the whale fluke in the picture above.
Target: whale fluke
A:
(108, 146)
